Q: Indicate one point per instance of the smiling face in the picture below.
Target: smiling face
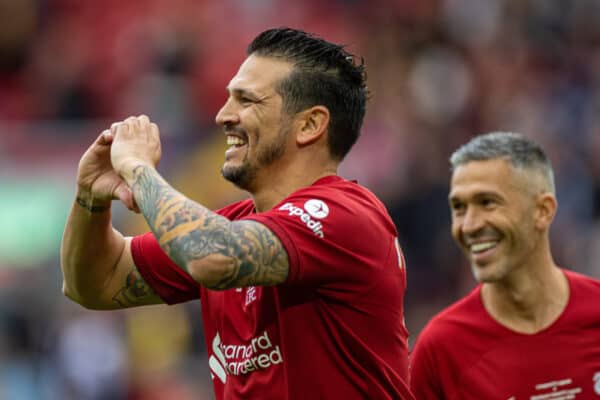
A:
(494, 209)
(254, 121)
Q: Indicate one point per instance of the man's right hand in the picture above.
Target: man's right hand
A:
(98, 183)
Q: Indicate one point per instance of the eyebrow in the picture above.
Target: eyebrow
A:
(475, 196)
(242, 92)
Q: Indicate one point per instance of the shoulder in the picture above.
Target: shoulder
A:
(338, 187)
(450, 340)
(449, 324)
(582, 282)
(237, 210)
(584, 289)
(441, 348)
(342, 200)
(584, 297)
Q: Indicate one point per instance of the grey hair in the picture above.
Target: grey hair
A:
(519, 151)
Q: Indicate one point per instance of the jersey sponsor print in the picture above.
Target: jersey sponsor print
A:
(562, 389)
(312, 211)
(244, 358)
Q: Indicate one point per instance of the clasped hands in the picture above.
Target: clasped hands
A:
(106, 170)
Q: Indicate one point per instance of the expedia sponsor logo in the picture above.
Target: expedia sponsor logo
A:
(312, 209)
(242, 359)
(317, 208)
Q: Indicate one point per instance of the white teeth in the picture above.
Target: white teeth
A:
(479, 247)
(235, 141)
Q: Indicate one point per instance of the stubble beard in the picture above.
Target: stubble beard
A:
(244, 176)
(495, 272)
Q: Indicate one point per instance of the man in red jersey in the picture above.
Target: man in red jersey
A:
(301, 286)
(531, 330)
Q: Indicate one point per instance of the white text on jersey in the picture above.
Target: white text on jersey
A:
(305, 217)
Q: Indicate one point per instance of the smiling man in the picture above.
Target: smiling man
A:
(296, 304)
(531, 329)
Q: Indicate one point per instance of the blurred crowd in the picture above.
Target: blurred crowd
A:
(440, 71)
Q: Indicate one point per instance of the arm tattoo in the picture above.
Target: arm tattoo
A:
(188, 232)
(91, 207)
(262, 260)
(135, 291)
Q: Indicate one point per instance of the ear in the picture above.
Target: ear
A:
(546, 206)
(313, 123)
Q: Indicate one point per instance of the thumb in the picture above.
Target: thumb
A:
(105, 138)
(125, 195)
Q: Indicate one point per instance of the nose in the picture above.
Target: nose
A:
(227, 115)
(471, 222)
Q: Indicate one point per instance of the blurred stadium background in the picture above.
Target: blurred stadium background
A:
(439, 72)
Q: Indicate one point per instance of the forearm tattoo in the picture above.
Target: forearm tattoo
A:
(189, 232)
(91, 207)
(135, 291)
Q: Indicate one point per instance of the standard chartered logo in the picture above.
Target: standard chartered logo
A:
(241, 359)
(216, 361)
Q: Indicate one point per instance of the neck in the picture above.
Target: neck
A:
(280, 185)
(530, 301)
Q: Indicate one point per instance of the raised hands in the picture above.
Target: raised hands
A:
(111, 158)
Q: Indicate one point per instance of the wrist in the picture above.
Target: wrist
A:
(86, 200)
(127, 170)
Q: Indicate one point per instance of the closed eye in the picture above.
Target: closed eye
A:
(243, 97)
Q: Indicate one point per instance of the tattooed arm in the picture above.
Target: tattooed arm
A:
(216, 252)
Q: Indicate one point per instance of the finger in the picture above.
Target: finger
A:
(122, 129)
(124, 194)
(135, 207)
(133, 124)
(143, 120)
(144, 124)
(114, 127)
(105, 138)
(154, 130)
(156, 134)
(132, 204)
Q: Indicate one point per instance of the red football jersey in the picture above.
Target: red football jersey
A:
(463, 353)
(334, 330)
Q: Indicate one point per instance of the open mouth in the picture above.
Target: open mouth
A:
(482, 252)
(477, 248)
(235, 141)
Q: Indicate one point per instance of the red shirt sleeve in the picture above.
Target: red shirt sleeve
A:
(332, 236)
(169, 281)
